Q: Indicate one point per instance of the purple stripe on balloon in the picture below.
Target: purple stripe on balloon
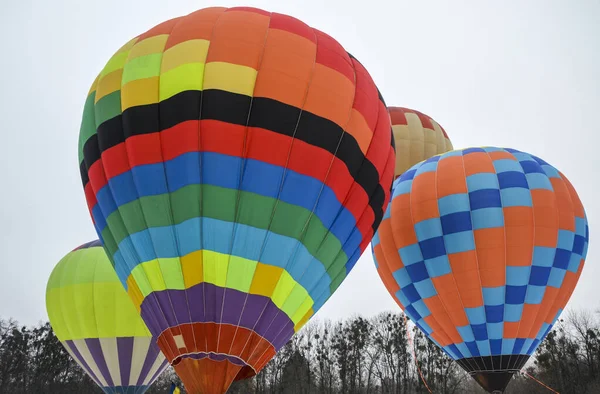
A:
(284, 335)
(81, 360)
(125, 350)
(216, 357)
(153, 352)
(254, 312)
(95, 349)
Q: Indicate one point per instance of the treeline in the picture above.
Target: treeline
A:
(354, 356)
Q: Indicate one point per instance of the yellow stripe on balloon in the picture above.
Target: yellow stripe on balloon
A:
(149, 46)
(240, 274)
(142, 67)
(185, 77)
(230, 77)
(283, 289)
(192, 267)
(302, 309)
(221, 270)
(304, 319)
(109, 84)
(116, 62)
(191, 51)
(93, 86)
(139, 92)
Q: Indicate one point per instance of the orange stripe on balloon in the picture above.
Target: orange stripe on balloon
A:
(238, 38)
(478, 163)
(529, 313)
(389, 245)
(423, 198)
(196, 26)
(566, 218)
(286, 68)
(491, 256)
(577, 205)
(331, 95)
(545, 217)
(450, 300)
(447, 318)
(511, 330)
(466, 274)
(550, 295)
(450, 176)
(518, 226)
(500, 155)
(292, 25)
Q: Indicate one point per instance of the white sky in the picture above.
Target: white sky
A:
(519, 74)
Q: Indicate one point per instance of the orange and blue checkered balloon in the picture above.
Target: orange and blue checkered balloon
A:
(482, 248)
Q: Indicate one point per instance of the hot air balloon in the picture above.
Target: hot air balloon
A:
(236, 163)
(417, 136)
(98, 325)
(482, 248)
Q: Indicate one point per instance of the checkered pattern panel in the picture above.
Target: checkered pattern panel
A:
(482, 248)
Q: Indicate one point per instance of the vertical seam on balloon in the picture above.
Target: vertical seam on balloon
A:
(243, 166)
(476, 259)
(530, 267)
(172, 227)
(273, 211)
(505, 265)
(441, 299)
(582, 260)
(201, 167)
(446, 254)
(555, 247)
(138, 202)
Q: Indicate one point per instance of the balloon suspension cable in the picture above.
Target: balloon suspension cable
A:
(540, 383)
(414, 353)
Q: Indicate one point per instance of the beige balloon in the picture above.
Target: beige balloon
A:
(417, 136)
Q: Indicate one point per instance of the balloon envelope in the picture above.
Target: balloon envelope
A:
(417, 136)
(236, 164)
(482, 248)
(98, 325)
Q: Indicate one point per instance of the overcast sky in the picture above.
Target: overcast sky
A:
(519, 74)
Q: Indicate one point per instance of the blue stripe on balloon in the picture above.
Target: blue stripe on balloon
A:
(454, 203)
(224, 171)
(482, 181)
(216, 236)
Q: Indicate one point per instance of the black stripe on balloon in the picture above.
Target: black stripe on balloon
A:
(233, 108)
(83, 172)
(493, 363)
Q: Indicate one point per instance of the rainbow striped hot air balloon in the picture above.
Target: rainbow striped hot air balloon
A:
(236, 164)
(98, 325)
(482, 248)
